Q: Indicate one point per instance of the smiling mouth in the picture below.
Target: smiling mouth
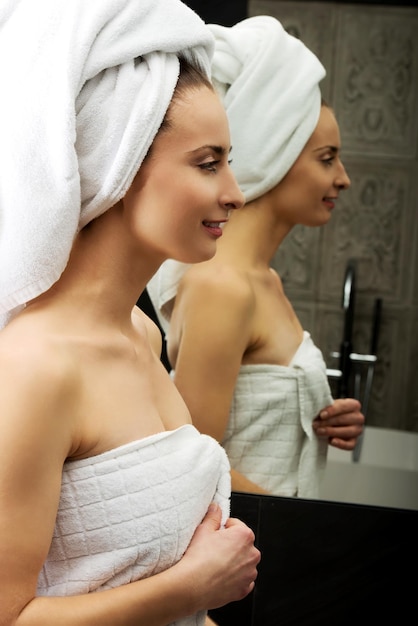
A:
(214, 228)
(329, 201)
(213, 224)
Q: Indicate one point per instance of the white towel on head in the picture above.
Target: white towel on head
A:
(265, 74)
(269, 83)
(86, 84)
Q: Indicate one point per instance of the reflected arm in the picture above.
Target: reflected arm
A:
(215, 314)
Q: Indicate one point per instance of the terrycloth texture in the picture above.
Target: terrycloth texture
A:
(85, 87)
(269, 83)
(131, 512)
(269, 436)
(162, 289)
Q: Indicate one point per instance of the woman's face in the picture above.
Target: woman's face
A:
(308, 192)
(185, 188)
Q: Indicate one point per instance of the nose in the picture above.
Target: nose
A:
(342, 180)
(232, 197)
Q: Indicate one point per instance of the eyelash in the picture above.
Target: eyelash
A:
(328, 161)
(209, 166)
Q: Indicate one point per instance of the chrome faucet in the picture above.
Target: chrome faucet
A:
(349, 361)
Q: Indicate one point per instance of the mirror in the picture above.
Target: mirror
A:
(367, 45)
(371, 56)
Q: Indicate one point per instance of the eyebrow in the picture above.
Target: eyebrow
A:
(220, 150)
(332, 149)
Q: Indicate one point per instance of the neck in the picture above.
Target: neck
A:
(254, 233)
(105, 274)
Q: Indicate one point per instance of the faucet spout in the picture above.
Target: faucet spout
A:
(348, 301)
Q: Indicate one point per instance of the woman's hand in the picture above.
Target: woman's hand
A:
(341, 423)
(225, 559)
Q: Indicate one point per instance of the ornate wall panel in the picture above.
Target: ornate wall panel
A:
(414, 251)
(299, 260)
(374, 91)
(309, 22)
(370, 52)
(411, 414)
(371, 224)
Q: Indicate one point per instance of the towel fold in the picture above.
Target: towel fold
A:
(86, 85)
(269, 436)
(269, 83)
(309, 358)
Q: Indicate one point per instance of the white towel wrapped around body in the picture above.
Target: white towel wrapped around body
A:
(269, 435)
(269, 84)
(85, 87)
(131, 512)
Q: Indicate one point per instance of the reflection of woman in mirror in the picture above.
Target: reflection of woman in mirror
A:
(105, 485)
(250, 375)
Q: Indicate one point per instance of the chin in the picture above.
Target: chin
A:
(198, 257)
(323, 219)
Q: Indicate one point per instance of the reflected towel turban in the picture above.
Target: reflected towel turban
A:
(269, 83)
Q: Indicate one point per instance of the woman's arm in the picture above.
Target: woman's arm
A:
(38, 432)
(213, 318)
(220, 566)
(239, 482)
(212, 323)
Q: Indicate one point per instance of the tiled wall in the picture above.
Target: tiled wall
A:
(370, 52)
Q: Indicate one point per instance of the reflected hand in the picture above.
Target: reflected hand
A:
(341, 423)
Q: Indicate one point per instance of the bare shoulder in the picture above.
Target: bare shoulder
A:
(38, 385)
(29, 357)
(214, 284)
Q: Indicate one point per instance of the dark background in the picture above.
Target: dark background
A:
(326, 564)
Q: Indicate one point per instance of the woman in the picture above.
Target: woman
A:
(255, 381)
(104, 482)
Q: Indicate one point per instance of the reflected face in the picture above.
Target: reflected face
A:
(185, 189)
(308, 192)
